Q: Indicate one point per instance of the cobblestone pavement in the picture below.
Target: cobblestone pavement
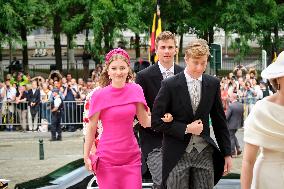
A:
(237, 162)
(19, 154)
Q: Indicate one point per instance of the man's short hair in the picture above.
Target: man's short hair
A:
(197, 48)
(165, 35)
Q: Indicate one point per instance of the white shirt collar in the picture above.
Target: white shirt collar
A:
(189, 78)
(163, 69)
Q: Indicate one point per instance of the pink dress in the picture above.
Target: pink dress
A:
(119, 157)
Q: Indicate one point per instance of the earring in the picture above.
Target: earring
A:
(109, 77)
(278, 86)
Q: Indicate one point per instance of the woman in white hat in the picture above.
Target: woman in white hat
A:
(264, 130)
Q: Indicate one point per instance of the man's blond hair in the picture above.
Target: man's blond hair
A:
(165, 35)
(197, 48)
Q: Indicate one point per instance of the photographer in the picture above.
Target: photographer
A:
(70, 94)
(249, 96)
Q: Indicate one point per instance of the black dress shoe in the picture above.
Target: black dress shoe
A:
(59, 139)
(239, 152)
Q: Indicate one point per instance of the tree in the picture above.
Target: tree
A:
(8, 32)
(254, 20)
(26, 16)
(75, 18)
(139, 19)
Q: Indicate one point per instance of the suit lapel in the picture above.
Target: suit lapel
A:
(156, 76)
(203, 99)
(184, 93)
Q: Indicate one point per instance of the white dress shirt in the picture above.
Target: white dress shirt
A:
(167, 72)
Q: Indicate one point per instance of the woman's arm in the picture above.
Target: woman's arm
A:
(89, 139)
(250, 153)
(142, 115)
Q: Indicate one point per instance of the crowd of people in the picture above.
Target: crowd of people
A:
(246, 84)
(26, 102)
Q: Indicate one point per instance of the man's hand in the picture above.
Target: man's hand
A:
(167, 117)
(228, 165)
(195, 127)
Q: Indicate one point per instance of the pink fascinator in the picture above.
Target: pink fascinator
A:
(117, 51)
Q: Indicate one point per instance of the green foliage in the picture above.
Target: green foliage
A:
(7, 25)
(241, 47)
(252, 16)
(254, 19)
(139, 15)
(205, 15)
(176, 18)
(250, 19)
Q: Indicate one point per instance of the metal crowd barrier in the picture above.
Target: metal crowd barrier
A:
(19, 115)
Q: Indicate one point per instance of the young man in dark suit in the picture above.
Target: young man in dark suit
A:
(191, 159)
(33, 98)
(234, 115)
(150, 81)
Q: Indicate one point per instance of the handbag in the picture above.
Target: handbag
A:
(94, 162)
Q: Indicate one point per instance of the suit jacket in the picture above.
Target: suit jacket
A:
(234, 115)
(174, 98)
(34, 98)
(150, 81)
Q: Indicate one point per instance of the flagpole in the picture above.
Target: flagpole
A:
(177, 61)
(177, 51)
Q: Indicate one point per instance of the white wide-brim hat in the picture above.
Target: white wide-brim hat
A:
(275, 69)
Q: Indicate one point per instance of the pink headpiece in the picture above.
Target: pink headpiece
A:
(117, 51)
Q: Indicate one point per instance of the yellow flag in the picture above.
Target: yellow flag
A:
(274, 57)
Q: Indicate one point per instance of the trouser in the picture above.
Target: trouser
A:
(23, 118)
(234, 140)
(55, 125)
(32, 120)
(154, 163)
(194, 170)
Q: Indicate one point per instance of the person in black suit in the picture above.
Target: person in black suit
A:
(235, 120)
(191, 159)
(33, 98)
(150, 80)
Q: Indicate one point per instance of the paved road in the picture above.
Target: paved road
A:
(19, 154)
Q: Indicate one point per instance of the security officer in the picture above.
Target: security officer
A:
(56, 110)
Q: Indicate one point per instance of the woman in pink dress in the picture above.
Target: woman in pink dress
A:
(117, 158)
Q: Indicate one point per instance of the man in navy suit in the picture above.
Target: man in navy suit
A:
(191, 159)
(150, 81)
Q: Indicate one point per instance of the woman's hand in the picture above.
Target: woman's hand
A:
(88, 163)
(167, 118)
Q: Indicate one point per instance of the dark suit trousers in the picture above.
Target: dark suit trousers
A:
(194, 170)
(234, 141)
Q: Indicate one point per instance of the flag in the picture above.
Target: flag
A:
(274, 57)
(156, 30)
